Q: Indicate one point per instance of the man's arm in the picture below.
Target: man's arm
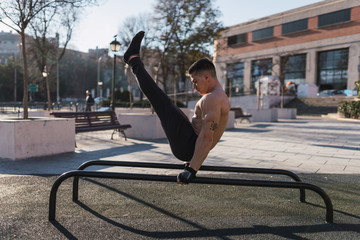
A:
(211, 112)
(204, 141)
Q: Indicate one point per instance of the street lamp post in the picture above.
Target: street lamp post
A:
(57, 69)
(100, 89)
(15, 77)
(98, 78)
(46, 75)
(115, 47)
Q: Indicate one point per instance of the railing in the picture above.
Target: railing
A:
(10, 107)
(198, 180)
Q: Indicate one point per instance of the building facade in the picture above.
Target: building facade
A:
(317, 44)
(9, 46)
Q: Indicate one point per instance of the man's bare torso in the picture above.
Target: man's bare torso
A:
(221, 106)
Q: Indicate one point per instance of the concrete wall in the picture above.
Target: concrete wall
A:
(143, 125)
(286, 113)
(146, 125)
(250, 102)
(35, 137)
(264, 115)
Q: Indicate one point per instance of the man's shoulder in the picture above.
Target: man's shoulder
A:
(221, 99)
(218, 95)
(214, 99)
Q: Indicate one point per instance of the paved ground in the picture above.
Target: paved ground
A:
(323, 152)
(304, 145)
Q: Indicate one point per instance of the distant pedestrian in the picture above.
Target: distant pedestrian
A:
(89, 101)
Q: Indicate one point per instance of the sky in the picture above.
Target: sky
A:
(98, 25)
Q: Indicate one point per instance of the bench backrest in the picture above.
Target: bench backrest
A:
(238, 112)
(90, 119)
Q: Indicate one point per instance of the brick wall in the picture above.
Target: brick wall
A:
(312, 34)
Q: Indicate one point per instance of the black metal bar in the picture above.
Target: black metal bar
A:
(200, 180)
(181, 166)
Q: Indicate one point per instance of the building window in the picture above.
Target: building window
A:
(259, 68)
(295, 69)
(262, 34)
(235, 79)
(293, 27)
(332, 69)
(334, 17)
(237, 39)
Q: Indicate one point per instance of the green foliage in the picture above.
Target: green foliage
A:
(121, 99)
(7, 83)
(121, 96)
(142, 104)
(350, 109)
(357, 85)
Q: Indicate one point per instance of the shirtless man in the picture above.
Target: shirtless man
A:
(189, 142)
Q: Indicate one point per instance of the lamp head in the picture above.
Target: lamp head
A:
(115, 45)
(45, 73)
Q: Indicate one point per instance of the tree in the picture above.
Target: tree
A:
(7, 75)
(79, 71)
(282, 63)
(188, 28)
(132, 25)
(45, 50)
(18, 14)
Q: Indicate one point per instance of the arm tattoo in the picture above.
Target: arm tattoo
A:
(213, 126)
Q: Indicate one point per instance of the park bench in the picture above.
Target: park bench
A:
(239, 114)
(94, 121)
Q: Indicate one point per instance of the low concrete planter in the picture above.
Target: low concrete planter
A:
(263, 115)
(36, 137)
(39, 113)
(286, 113)
(145, 125)
(231, 121)
(188, 111)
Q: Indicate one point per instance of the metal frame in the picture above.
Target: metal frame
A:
(298, 184)
(181, 166)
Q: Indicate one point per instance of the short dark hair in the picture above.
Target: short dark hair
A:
(203, 64)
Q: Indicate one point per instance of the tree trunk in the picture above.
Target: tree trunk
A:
(282, 97)
(48, 92)
(26, 96)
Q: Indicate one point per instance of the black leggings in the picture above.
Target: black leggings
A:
(176, 125)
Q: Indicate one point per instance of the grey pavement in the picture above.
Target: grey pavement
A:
(323, 152)
(302, 145)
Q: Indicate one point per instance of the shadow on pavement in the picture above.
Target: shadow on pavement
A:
(68, 161)
(340, 147)
(199, 231)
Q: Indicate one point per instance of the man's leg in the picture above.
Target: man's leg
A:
(175, 123)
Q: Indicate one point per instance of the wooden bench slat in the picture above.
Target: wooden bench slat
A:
(94, 121)
(98, 128)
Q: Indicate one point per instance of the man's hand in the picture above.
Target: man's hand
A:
(186, 176)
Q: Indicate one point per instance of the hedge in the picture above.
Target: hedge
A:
(350, 109)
